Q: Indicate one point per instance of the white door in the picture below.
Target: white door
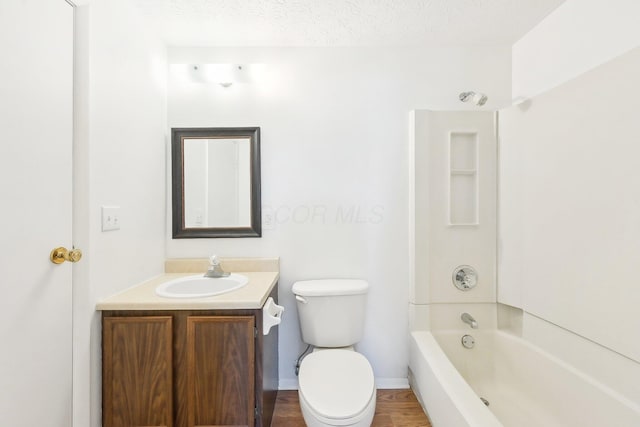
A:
(36, 89)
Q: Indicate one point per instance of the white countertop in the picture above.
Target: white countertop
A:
(143, 296)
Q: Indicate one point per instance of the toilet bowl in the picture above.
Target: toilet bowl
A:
(336, 388)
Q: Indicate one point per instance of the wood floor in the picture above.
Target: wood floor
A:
(394, 408)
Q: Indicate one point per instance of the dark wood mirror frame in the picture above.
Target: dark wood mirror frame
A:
(177, 167)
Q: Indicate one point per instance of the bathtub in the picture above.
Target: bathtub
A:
(523, 385)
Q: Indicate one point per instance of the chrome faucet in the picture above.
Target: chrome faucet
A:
(468, 319)
(215, 270)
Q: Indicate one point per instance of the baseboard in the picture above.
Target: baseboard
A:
(392, 383)
(288, 384)
(381, 383)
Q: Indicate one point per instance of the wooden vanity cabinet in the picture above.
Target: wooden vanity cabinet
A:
(137, 372)
(188, 368)
(219, 379)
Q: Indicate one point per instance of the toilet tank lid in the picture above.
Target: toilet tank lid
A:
(328, 287)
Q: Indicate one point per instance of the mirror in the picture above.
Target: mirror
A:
(216, 182)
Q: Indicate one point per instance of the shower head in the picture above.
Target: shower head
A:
(478, 98)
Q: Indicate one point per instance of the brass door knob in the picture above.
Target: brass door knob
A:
(60, 255)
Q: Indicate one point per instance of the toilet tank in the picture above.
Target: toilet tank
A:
(331, 311)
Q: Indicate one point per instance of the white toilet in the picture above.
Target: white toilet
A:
(335, 383)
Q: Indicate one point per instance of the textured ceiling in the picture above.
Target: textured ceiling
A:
(344, 22)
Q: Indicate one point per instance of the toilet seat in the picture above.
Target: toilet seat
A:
(337, 386)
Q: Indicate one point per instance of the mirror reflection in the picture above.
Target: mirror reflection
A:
(217, 190)
(216, 182)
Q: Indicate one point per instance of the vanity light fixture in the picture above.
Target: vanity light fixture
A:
(223, 74)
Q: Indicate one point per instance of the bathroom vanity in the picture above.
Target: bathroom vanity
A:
(190, 361)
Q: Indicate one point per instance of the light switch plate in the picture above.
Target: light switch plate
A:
(110, 218)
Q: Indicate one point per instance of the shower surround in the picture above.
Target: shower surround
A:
(554, 339)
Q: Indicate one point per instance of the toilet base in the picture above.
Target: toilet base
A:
(364, 419)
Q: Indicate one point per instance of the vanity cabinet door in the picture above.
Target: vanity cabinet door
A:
(220, 374)
(137, 371)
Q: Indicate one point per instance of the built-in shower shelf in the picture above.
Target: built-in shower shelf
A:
(463, 171)
(463, 178)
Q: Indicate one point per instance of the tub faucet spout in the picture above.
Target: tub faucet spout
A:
(468, 319)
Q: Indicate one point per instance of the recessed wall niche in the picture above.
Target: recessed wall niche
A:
(463, 178)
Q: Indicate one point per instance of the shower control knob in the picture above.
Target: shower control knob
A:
(465, 277)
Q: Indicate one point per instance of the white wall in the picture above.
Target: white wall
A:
(119, 157)
(578, 36)
(334, 166)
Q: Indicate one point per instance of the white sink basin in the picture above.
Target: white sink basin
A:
(199, 286)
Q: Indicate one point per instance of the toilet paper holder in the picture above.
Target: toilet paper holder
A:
(271, 315)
